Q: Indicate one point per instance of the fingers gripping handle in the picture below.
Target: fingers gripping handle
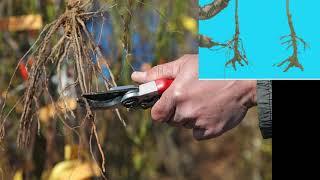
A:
(163, 85)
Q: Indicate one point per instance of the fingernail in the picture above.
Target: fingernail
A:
(138, 76)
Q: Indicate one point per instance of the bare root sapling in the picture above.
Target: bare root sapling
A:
(292, 41)
(236, 44)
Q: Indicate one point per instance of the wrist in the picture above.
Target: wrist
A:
(248, 93)
(253, 87)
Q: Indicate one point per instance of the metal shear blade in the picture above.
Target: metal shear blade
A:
(101, 105)
(111, 94)
(107, 100)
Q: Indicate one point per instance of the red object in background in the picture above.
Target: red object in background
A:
(33, 33)
(23, 71)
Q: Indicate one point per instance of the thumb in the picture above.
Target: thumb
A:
(168, 70)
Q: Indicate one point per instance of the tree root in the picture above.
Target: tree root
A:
(293, 43)
(293, 62)
(293, 59)
(239, 54)
(206, 42)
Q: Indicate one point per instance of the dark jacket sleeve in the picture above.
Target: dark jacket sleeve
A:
(264, 101)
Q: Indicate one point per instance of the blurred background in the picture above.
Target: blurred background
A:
(160, 31)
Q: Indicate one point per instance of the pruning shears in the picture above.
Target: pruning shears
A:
(143, 96)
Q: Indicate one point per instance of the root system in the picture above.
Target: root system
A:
(65, 40)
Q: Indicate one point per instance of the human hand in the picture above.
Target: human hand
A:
(210, 108)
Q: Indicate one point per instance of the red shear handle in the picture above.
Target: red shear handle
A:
(163, 85)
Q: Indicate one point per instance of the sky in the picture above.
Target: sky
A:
(262, 23)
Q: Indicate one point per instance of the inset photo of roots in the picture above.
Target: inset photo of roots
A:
(257, 48)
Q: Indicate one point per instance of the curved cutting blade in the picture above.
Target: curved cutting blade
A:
(101, 105)
(111, 94)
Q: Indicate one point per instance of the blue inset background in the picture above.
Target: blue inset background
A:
(262, 23)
